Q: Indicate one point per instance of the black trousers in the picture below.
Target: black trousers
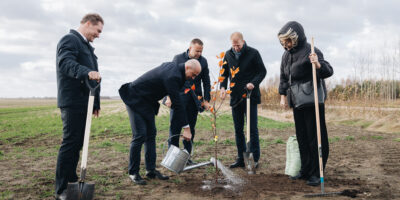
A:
(306, 133)
(143, 132)
(175, 129)
(239, 114)
(74, 121)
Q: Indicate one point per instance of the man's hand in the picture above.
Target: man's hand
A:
(250, 86)
(96, 113)
(168, 102)
(187, 135)
(283, 102)
(314, 60)
(93, 75)
(222, 93)
(206, 105)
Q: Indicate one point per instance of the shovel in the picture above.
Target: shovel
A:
(82, 190)
(248, 156)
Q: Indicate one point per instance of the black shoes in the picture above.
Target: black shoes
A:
(190, 162)
(313, 181)
(156, 174)
(136, 178)
(297, 177)
(62, 196)
(238, 163)
(256, 165)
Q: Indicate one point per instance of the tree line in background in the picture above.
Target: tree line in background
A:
(375, 80)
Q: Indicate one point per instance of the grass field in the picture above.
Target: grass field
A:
(30, 136)
(362, 161)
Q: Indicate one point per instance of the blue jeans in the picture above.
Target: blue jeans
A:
(74, 121)
(143, 132)
(238, 114)
(175, 129)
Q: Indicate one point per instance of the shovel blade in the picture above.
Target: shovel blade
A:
(249, 162)
(80, 191)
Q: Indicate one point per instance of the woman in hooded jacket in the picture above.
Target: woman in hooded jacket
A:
(296, 68)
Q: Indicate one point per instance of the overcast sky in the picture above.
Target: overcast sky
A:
(140, 35)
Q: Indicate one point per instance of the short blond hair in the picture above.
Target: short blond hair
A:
(290, 34)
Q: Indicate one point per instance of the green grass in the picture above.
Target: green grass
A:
(334, 139)
(397, 140)
(228, 142)
(25, 123)
(225, 123)
(6, 194)
(349, 138)
(278, 141)
(119, 147)
(34, 133)
(377, 137)
(357, 122)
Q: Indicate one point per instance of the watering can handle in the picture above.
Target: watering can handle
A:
(169, 138)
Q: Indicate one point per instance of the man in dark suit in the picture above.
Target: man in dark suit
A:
(251, 72)
(75, 62)
(141, 98)
(191, 100)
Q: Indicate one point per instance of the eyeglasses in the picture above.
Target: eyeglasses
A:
(285, 42)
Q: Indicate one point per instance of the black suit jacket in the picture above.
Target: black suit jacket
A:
(251, 70)
(75, 59)
(143, 94)
(203, 76)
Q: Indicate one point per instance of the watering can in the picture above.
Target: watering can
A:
(176, 159)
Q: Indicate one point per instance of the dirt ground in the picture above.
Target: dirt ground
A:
(364, 164)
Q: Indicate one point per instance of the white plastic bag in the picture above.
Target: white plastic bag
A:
(293, 162)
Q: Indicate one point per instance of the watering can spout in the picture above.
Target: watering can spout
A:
(197, 165)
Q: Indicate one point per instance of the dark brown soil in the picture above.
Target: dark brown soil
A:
(360, 166)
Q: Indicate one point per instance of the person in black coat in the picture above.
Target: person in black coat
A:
(251, 72)
(141, 98)
(75, 62)
(191, 99)
(297, 63)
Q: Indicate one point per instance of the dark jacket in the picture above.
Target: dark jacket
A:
(75, 59)
(251, 70)
(143, 94)
(297, 61)
(203, 76)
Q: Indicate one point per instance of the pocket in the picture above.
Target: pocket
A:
(307, 87)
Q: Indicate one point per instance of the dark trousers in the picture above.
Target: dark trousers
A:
(239, 114)
(74, 121)
(306, 133)
(175, 128)
(143, 132)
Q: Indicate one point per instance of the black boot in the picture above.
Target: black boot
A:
(313, 181)
(239, 163)
(298, 176)
(190, 162)
(136, 178)
(156, 174)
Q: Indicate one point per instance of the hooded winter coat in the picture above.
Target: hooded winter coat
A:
(297, 63)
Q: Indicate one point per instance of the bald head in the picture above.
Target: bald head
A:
(192, 68)
(237, 41)
(237, 35)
